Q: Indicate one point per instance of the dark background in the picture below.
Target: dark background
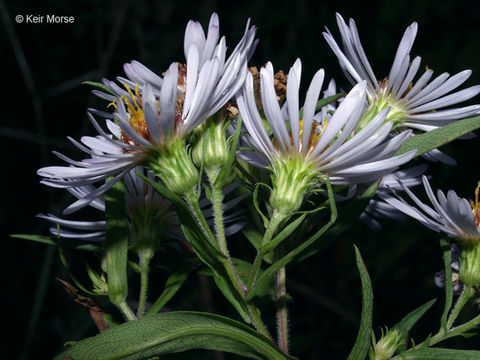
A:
(43, 102)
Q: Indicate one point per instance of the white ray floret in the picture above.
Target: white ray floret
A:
(449, 214)
(138, 196)
(377, 209)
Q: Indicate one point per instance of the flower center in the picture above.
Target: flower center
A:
(377, 103)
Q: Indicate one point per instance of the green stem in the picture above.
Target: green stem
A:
(462, 328)
(217, 200)
(272, 227)
(192, 201)
(466, 295)
(145, 257)
(282, 314)
(126, 311)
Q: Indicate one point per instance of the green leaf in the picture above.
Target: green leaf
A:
(253, 235)
(325, 101)
(100, 86)
(37, 238)
(297, 252)
(408, 321)
(172, 285)
(52, 241)
(244, 268)
(116, 243)
(447, 262)
(441, 136)
(362, 343)
(440, 354)
(351, 212)
(174, 332)
(232, 296)
(257, 206)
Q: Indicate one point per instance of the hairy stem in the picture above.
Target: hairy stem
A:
(145, 257)
(192, 201)
(281, 304)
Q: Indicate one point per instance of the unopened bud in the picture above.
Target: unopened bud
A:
(387, 345)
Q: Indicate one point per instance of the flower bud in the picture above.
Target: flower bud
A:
(211, 148)
(173, 164)
(387, 345)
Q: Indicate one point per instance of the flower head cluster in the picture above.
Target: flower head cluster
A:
(303, 150)
(420, 104)
(155, 114)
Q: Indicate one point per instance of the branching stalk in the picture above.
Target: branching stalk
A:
(272, 227)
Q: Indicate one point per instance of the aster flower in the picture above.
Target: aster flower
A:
(420, 105)
(155, 115)
(305, 153)
(453, 216)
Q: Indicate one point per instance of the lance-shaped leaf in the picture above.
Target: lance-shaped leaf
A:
(174, 332)
(441, 136)
(362, 343)
(343, 224)
(172, 285)
(116, 243)
(411, 319)
(447, 262)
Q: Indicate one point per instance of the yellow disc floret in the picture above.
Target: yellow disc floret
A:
(476, 206)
